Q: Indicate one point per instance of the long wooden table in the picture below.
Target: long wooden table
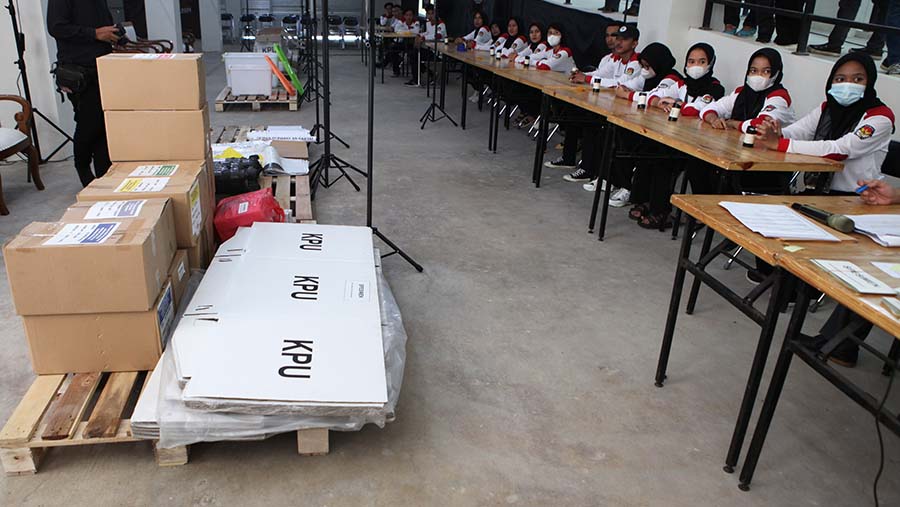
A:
(787, 264)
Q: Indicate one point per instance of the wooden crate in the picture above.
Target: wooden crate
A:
(291, 192)
(278, 96)
(88, 409)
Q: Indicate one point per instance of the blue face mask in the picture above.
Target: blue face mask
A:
(847, 93)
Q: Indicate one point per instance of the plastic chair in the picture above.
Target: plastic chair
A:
(227, 27)
(336, 27)
(351, 26)
(266, 21)
(289, 23)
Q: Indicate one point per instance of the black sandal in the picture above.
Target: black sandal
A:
(637, 212)
(659, 222)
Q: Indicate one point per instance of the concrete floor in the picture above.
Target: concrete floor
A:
(531, 355)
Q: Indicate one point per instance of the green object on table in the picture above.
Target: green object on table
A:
(289, 69)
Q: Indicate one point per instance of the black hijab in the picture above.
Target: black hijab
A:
(838, 120)
(510, 38)
(705, 84)
(660, 59)
(749, 103)
(534, 45)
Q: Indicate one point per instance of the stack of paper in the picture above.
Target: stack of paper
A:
(281, 133)
(776, 221)
(883, 229)
(854, 277)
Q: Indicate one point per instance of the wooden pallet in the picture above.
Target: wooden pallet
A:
(225, 98)
(88, 409)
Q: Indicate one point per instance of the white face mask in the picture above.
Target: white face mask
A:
(759, 83)
(554, 40)
(648, 73)
(696, 71)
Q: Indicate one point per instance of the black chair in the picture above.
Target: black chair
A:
(351, 26)
(227, 20)
(336, 27)
(266, 20)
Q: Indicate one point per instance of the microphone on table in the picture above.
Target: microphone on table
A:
(833, 220)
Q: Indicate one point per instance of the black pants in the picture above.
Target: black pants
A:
(584, 126)
(733, 15)
(842, 317)
(90, 133)
(847, 9)
(527, 98)
(788, 29)
(654, 181)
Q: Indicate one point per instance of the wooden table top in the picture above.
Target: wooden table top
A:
(721, 148)
(859, 249)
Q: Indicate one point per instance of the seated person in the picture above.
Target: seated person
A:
(852, 125)
(406, 24)
(527, 98)
(559, 58)
(479, 38)
(536, 44)
(653, 182)
(512, 41)
(387, 19)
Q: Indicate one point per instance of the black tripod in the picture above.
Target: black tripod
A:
(314, 78)
(432, 113)
(369, 155)
(319, 170)
(247, 35)
(20, 61)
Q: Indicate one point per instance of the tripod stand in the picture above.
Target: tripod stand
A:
(20, 62)
(320, 170)
(432, 113)
(247, 35)
(369, 155)
(318, 85)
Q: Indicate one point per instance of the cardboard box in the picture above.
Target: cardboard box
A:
(179, 274)
(157, 82)
(200, 255)
(92, 266)
(125, 341)
(184, 182)
(157, 135)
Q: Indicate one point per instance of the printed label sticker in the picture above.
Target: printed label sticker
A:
(115, 209)
(143, 185)
(83, 234)
(155, 170)
(196, 211)
(357, 291)
(243, 207)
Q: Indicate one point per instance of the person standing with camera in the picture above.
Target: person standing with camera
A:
(84, 30)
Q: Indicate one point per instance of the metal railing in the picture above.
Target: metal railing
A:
(806, 17)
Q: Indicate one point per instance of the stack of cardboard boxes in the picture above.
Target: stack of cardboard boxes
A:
(98, 289)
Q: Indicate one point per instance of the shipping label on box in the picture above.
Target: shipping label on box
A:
(131, 185)
(115, 209)
(154, 170)
(83, 234)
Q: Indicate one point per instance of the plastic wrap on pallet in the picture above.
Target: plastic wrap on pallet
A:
(180, 425)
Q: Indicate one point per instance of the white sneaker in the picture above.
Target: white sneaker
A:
(619, 198)
(592, 186)
(474, 97)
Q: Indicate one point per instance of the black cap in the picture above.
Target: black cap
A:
(628, 32)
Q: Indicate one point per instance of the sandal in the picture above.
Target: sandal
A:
(659, 222)
(637, 212)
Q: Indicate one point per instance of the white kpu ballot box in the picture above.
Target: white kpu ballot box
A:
(286, 314)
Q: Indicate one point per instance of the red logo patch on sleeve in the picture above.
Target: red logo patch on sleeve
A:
(865, 132)
(629, 71)
(769, 108)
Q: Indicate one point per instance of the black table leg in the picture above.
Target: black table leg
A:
(707, 243)
(609, 146)
(602, 174)
(541, 141)
(493, 112)
(674, 302)
(756, 370)
(496, 130)
(775, 387)
(465, 88)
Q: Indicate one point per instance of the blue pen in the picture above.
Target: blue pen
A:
(861, 189)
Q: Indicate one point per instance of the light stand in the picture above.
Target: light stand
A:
(20, 61)
(320, 169)
(431, 114)
(318, 85)
(369, 155)
(247, 35)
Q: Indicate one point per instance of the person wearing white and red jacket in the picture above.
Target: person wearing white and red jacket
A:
(760, 98)
(559, 58)
(406, 24)
(536, 44)
(430, 26)
(852, 125)
(510, 43)
(621, 67)
(480, 37)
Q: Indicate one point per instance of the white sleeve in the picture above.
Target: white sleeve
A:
(471, 35)
(694, 105)
(777, 107)
(871, 134)
(522, 54)
(805, 128)
(483, 37)
(559, 62)
(605, 69)
(668, 88)
(500, 41)
(721, 107)
(631, 78)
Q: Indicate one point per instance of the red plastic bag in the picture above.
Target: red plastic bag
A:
(244, 209)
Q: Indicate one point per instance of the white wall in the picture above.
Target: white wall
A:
(210, 26)
(40, 51)
(164, 21)
(676, 23)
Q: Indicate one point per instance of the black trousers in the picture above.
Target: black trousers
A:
(527, 98)
(90, 133)
(847, 9)
(584, 126)
(653, 181)
(788, 29)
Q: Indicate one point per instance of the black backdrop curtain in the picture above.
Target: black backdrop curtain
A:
(584, 31)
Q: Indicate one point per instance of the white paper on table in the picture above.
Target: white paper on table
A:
(882, 229)
(776, 221)
(890, 268)
(855, 277)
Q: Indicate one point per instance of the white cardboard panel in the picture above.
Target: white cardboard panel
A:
(333, 243)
